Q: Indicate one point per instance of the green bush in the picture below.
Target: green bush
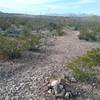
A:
(32, 42)
(52, 26)
(90, 31)
(10, 47)
(60, 32)
(89, 35)
(84, 68)
(57, 27)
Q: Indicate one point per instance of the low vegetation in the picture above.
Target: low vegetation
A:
(32, 41)
(90, 32)
(86, 68)
(17, 31)
(11, 47)
(89, 27)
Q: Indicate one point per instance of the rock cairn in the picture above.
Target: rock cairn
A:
(63, 91)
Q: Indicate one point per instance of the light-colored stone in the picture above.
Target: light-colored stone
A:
(67, 95)
(54, 82)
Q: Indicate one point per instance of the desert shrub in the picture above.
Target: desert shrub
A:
(84, 68)
(52, 26)
(97, 36)
(90, 31)
(89, 35)
(60, 32)
(57, 27)
(16, 31)
(12, 31)
(32, 42)
(10, 47)
(24, 30)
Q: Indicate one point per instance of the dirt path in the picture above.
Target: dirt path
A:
(29, 74)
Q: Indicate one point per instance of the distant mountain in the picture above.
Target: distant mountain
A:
(1, 12)
(52, 14)
(72, 15)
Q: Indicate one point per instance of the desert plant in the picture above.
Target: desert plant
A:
(10, 47)
(52, 26)
(32, 42)
(84, 67)
(89, 35)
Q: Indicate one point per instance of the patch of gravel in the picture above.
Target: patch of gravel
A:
(27, 78)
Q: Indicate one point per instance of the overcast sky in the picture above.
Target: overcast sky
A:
(50, 6)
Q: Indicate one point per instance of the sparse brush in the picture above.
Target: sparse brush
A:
(84, 67)
(10, 47)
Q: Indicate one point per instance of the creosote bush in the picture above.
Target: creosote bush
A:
(57, 27)
(12, 47)
(32, 42)
(89, 35)
(84, 68)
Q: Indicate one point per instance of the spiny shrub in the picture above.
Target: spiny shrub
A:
(89, 35)
(10, 47)
(57, 27)
(60, 32)
(84, 68)
(90, 31)
(32, 41)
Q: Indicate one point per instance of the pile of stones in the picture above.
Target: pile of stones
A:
(63, 91)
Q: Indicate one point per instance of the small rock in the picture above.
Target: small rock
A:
(30, 99)
(88, 99)
(73, 80)
(62, 90)
(50, 91)
(68, 95)
(54, 82)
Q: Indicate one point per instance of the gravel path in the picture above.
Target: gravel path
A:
(26, 78)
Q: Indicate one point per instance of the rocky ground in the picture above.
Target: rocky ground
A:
(26, 78)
